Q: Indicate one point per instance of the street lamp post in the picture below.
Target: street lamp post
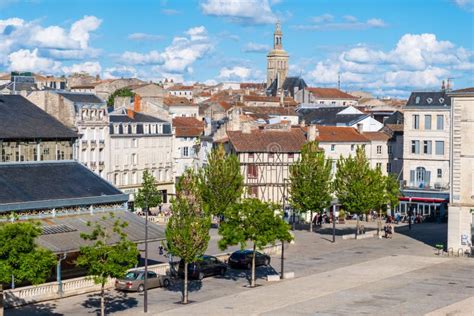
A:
(145, 293)
(334, 203)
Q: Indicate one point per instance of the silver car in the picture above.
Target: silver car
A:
(134, 281)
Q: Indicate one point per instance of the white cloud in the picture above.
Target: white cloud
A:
(327, 22)
(92, 68)
(80, 30)
(418, 61)
(247, 12)
(145, 37)
(26, 60)
(239, 73)
(119, 72)
(170, 12)
(150, 58)
(255, 48)
(465, 4)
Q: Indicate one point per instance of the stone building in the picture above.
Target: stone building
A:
(426, 150)
(139, 142)
(84, 113)
(325, 97)
(277, 60)
(461, 206)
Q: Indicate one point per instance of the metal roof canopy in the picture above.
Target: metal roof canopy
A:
(70, 240)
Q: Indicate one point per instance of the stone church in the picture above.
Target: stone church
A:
(277, 60)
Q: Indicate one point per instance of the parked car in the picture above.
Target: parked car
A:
(243, 259)
(135, 281)
(205, 266)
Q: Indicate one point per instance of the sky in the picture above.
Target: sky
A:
(385, 47)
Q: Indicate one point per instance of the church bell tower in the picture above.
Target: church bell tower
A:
(277, 59)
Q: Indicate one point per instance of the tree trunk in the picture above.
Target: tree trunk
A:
(185, 285)
(311, 222)
(252, 281)
(357, 227)
(102, 300)
(1, 299)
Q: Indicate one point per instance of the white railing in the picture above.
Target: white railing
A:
(49, 291)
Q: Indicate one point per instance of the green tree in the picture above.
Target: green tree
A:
(148, 195)
(221, 182)
(310, 181)
(187, 231)
(109, 253)
(256, 222)
(386, 191)
(20, 257)
(124, 92)
(355, 184)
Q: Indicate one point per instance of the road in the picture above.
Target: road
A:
(401, 276)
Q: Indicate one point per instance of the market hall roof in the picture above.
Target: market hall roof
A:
(329, 116)
(62, 234)
(81, 97)
(21, 119)
(48, 185)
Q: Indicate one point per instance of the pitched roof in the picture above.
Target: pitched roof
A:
(269, 110)
(21, 119)
(395, 127)
(329, 116)
(429, 99)
(173, 101)
(34, 185)
(260, 98)
(188, 126)
(77, 97)
(339, 134)
(471, 89)
(267, 140)
(137, 118)
(377, 136)
(178, 88)
(330, 93)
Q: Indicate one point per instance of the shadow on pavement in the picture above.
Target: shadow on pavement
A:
(178, 283)
(34, 309)
(115, 301)
(237, 274)
(341, 230)
(428, 233)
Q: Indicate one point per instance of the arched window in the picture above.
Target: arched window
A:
(422, 177)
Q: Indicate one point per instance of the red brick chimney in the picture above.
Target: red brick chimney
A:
(130, 113)
(137, 103)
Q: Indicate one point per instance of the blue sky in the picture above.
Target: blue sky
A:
(386, 47)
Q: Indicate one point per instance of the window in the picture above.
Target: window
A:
(420, 177)
(427, 147)
(439, 122)
(333, 147)
(134, 143)
(252, 171)
(389, 149)
(251, 155)
(116, 179)
(270, 155)
(291, 155)
(134, 159)
(416, 121)
(440, 173)
(378, 165)
(253, 192)
(439, 147)
(352, 147)
(379, 149)
(185, 152)
(428, 121)
(415, 146)
(389, 167)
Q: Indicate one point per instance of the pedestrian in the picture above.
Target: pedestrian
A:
(160, 250)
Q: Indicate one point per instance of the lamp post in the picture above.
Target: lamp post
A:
(145, 293)
(282, 242)
(334, 203)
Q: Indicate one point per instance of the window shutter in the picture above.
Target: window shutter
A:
(412, 176)
(428, 178)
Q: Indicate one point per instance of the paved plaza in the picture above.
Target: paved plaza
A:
(401, 276)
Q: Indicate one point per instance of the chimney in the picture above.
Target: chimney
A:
(443, 86)
(137, 103)
(360, 128)
(130, 113)
(313, 133)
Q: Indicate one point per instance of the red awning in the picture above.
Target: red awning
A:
(422, 200)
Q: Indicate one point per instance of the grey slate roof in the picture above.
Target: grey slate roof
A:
(38, 185)
(21, 119)
(138, 118)
(82, 97)
(71, 241)
(288, 86)
(429, 99)
(328, 116)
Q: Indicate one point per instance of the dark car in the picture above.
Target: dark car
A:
(205, 266)
(243, 259)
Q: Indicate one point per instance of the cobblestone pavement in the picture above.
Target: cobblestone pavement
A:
(399, 276)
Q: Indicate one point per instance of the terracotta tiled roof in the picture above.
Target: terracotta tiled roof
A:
(269, 110)
(377, 136)
(180, 88)
(258, 98)
(172, 100)
(339, 134)
(225, 105)
(330, 93)
(251, 85)
(188, 126)
(267, 140)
